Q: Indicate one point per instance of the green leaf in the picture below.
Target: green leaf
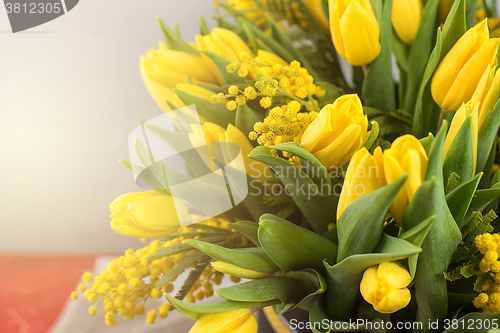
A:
(173, 41)
(454, 26)
(486, 136)
(360, 225)
(221, 64)
(290, 290)
(427, 142)
(253, 258)
(214, 113)
(435, 164)
(373, 135)
(193, 277)
(343, 278)
(460, 156)
(204, 30)
(416, 236)
(246, 118)
(400, 51)
(319, 210)
(482, 198)
(168, 251)
(437, 248)
(310, 164)
(378, 86)
(249, 229)
(292, 247)
(460, 199)
(470, 12)
(420, 52)
(425, 107)
(319, 313)
(196, 310)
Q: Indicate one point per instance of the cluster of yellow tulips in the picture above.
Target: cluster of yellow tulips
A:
(410, 154)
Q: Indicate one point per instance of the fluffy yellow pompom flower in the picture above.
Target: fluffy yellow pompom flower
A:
(385, 287)
(487, 93)
(210, 132)
(147, 214)
(457, 122)
(237, 321)
(339, 130)
(355, 30)
(406, 155)
(162, 69)
(224, 43)
(406, 15)
(458, 75)
(365, 174)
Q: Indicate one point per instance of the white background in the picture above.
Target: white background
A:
(70, 94)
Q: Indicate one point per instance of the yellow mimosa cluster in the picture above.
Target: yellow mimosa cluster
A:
(489, 299)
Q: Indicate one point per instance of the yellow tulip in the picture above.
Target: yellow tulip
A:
(355, 30)
(385, 287)
(147, 214)
(316, 9)
(457, 122)
(364, 175)
(406, 155)
(162, 69)
(224, 43)
(237, 271)
(487, 93)
(210, 132)
(271, 58)
(459, 73)
(406, 15)
(367, 173)
(249, 9)
(236, 321)
(339, 130)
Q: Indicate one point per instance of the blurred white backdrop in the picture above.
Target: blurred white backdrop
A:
(70, 94)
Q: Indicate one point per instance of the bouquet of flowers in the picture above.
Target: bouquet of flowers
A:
(367, 199)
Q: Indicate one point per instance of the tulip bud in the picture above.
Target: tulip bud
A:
(226, 322)
(385, 287)
(406, 155)
(459, 73)
(461, 115)
(487, 93)
(365, 174)
(237, 271)
(339, 130)
(147, 214)
(355, 30)
(223, 42)
(161, 70)
(210, 132)
(406, 15)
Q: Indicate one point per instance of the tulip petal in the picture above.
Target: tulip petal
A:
(368, 285)
(122, 201)
(240, 321)
(394, 301)
(340, 150)
(406, 15)
(158, 213)
(395, 274)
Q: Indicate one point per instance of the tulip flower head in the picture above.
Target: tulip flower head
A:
(406, 15)
(147, 214)
(162, 69)
(459, 73)
(385, 287)
(237, 321)
(237, 271)
(339, 130)
(406, 155)
(355, 30)
(224, 43)
(364, 175)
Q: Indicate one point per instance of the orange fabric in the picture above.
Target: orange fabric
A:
(275, 321)
(34, 289)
